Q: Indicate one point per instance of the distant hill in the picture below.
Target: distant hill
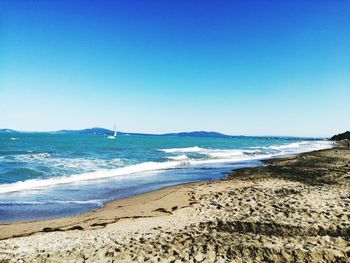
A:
(102, 131)
(198, 134)
(341, 136)
(99, 131)
(7, 131)
(211, 134)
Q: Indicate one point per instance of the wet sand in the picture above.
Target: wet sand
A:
(294, 209)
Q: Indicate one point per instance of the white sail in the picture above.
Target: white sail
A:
(114, 134)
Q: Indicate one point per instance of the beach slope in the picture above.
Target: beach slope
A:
(294, 209)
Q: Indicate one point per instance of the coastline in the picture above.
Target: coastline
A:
(16, 229)
(248, 207)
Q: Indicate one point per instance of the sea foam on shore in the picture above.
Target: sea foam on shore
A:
(73, 170)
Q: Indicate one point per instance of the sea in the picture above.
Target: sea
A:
(51, 175)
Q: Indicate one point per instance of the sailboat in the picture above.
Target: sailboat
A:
(114, 134)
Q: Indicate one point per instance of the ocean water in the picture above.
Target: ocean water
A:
(46, 175)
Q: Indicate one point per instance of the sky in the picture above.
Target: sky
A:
(238, 67)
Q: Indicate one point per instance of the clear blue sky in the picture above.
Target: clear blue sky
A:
(239, 67)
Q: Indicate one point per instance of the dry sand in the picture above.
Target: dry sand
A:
(293, 210)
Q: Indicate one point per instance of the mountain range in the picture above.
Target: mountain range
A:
(103, 131)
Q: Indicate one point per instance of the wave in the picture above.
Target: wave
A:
(288, 146)
(97, 202)
(181, 157)
(183, 150)
(100, 174)
(127, 171)
(229, 153)
(253, 153)
(213, 153)
(299, 147)
(61, 165)
(210, 156)
(28, 156)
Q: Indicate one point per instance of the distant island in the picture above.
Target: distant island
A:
(210, 134)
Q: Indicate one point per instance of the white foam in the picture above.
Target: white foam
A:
(229, 160)
(212, 156)
(59, 165)
(98, 202)
(212, 153)
(29, 157)
(178, 157)
(259, 153)
(300, 147)
(40, 156)
(229, 153)
(183, 150)
(288, 146)
(100, 174)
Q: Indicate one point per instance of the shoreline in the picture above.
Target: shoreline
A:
(64, 223)
(296, 204)
(266, 160)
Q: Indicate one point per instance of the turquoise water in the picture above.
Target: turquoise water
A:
(46, 175)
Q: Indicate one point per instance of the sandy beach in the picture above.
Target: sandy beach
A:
(294, 209)
(174, 131)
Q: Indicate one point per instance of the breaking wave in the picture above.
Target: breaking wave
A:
(97, 202)
(100, 174)
(181, 157)
(207, 156)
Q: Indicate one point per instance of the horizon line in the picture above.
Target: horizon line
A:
(166, 133)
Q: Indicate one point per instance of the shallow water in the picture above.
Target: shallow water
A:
(53, 175)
